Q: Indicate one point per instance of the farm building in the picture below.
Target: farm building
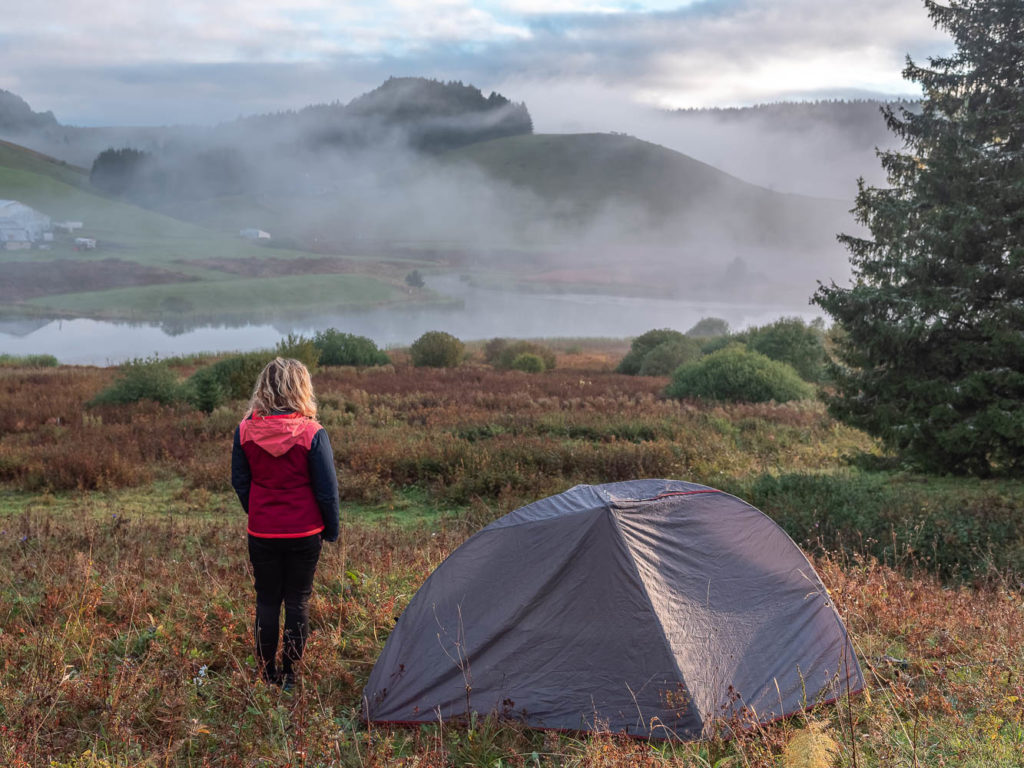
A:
(20, 226)
(254, 234)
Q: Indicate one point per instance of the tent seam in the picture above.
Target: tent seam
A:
(647, 596)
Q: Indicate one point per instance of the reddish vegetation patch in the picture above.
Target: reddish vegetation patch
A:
(22, 280)
(280, 267)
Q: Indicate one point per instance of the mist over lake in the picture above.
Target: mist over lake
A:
(483, 314)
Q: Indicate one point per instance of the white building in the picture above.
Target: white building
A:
(20, 226)
(254, 234)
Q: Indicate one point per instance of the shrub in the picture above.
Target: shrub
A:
(493, 350)
(709, 327)
(528, 362)
(953, 533)
(642, 344)
(715, 343)
(206, 390)
(234, 377)
(508, 352)
(229, 379)
(791, 340)
(736, 374)
(138, 379)
(436, 349)
(337, 348)
(669, 355)
(298, 348)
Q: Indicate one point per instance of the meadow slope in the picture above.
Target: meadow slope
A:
(140, 251)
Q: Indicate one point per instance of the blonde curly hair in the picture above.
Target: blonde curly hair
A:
(283, 385)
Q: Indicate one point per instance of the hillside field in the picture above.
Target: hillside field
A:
(149, 266)
(126, 599)
(574, 213)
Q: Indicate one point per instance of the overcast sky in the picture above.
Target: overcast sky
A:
(96, 62)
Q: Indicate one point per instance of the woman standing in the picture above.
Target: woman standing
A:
(282, 468)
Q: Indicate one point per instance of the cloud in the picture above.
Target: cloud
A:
(195, 61)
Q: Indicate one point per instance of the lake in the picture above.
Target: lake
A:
(483, 314)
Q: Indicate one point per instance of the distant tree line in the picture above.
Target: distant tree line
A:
(150, 179)
(855, 117)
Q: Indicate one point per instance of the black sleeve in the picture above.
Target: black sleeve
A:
(325, 483)
(241, 475)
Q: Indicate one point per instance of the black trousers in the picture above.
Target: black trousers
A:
(283, 572)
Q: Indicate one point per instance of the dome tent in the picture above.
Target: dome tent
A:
(647, 607)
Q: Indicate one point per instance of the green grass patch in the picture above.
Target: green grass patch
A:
(28, 361)
(294, 293)
(20, 158)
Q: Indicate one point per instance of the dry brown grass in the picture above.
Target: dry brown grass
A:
(130, 638)
(460, 434)
(125, 615)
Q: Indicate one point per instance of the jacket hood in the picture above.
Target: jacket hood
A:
(278, 434)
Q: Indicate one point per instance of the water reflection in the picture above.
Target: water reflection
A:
(480, 314)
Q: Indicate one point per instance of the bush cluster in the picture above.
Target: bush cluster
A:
(792, 341)
(233, 377)
(141, 379)
(506, 354)
(738, 374)
(658, 352)
(337, 348)
(663, 359)
(709, 328)
(528, 363)
(436, 349)
(230, 378)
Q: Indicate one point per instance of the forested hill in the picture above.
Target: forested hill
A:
(16, 116)
(426, 115)
(429, 115)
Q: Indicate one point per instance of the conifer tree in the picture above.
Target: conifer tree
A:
(931, 342)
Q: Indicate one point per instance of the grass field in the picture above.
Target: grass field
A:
(229, 296)
(125, 600)
(15, 157)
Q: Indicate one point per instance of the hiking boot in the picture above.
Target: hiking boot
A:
(270, 676)
(288, 682)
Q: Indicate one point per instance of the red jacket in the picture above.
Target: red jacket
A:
(283, 471)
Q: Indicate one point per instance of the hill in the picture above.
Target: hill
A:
(17, 116)
(427, 115)
(15, 157)
(601, 213)
(151, 266)
(676, 196)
